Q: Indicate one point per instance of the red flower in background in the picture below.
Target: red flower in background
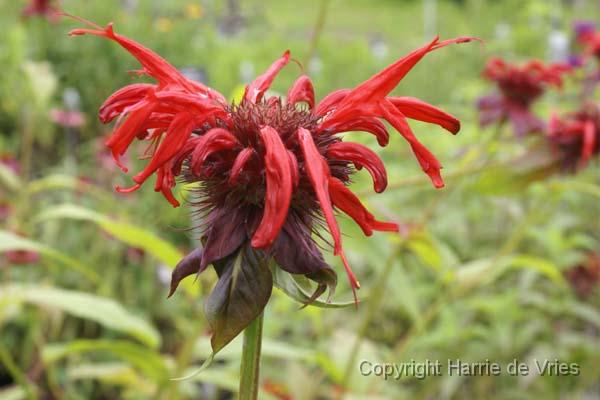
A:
(576, 136)
(519, 86)
(586, 276)
(589, 38)
(269, 171)
(42, 8)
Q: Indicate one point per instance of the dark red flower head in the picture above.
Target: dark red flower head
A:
(585, 276)
(588, 38)
(519, 86)
(576, 136)
(269, 171)
(42, 8)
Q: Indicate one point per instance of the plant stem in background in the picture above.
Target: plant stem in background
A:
(316, 32)
(19, 376)
(250, 366)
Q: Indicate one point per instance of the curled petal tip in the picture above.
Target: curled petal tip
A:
(438, 182)
(129, 189)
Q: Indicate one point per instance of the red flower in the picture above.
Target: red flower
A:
(520, 86)
(576, 136)
(586, 276)
(67, 118)
(268, 169)
(43, 8)
(589, 38)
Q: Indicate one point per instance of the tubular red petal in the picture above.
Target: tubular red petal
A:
(589, 142)
(214, 140)
(256, 90)
(278, 191)
(354, 283)
(366, 96)
(294, 168)
(363, 156)
(364, 124)
(330, 101)
(164, 182)
(122, 137)
(302, 90)
(428, 162)
(346, 201)
(414, 108)
(172, 101)
(239, 163)
(318, 173)
(178, 133)
(125, 97)
(153, 64)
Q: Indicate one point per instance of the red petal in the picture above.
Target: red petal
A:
(363, 156)
(364, 124)
(122, 137)
(589, 142)
(239, 163)
(294, 170)
(125, 97)
(164, 182)
(368, 94)
(256, 90)
(346, 201)
(279, 189)
(330, 101)
(302, 90)
(153, 64)
(414, 108)
(318, 173)
(178, 133)
(214, 140)
(428, 162)
(172, 101)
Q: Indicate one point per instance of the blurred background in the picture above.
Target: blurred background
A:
(502, 264)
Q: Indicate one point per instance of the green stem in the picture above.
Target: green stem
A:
(19, 376)
(250, 365)
(317, 30)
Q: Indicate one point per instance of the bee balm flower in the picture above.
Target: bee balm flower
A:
(269, 172)
(576, 136)
(519, 86)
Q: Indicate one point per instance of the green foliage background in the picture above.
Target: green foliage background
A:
(481, 276)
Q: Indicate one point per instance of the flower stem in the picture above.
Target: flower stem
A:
(316, 32)
(250, 365)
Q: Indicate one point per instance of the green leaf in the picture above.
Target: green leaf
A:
(104, 311)
(60, 181)
(582, 187)
(113, 373)
(300, 289)
(270, 349)
(11, 242)
(125, 232)
(146, 360)
(13, 392)
(543, 266)
(240, 295)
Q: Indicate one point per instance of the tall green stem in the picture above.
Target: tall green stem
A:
(249, 370)
(316, 32)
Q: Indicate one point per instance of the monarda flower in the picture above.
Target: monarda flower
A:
(585, 277)
(519, 87)
(42, 8)
(588, 38)
(268, 171)
(576, 136)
